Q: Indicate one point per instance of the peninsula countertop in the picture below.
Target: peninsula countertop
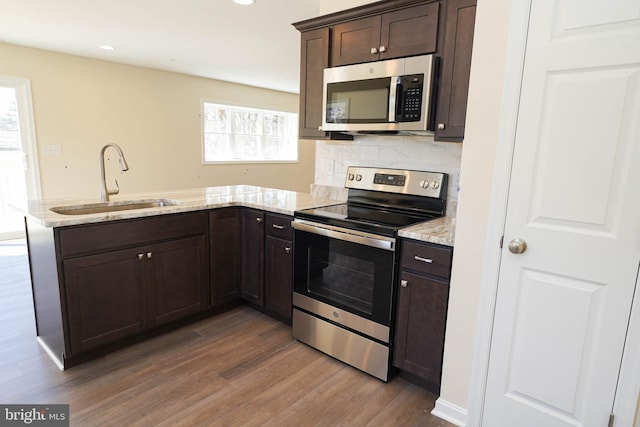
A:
(441, 230)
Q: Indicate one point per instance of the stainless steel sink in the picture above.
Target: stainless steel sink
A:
(106, 207)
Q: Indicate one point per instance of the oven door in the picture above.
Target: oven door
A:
(344, 269)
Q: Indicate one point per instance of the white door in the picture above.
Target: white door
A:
(563, 304)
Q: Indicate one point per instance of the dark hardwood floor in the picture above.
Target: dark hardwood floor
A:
(240, 368)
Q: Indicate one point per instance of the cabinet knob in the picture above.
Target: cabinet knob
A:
(259, 220)
(441, 126)
(374, 50)
(404, 283)
(149, 255)
(287, 249)
(140, 257)
(383, 49)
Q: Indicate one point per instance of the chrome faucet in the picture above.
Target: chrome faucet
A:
(104, 191)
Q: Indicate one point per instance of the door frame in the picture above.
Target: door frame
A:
(24, 103)
(626, 398)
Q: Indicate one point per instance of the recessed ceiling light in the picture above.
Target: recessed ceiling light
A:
(244, 2)
(106, 47)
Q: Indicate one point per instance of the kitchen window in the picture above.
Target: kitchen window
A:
(240, 134)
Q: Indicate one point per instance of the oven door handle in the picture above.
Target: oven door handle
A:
(380, 242)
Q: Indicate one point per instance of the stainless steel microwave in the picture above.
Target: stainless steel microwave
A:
(396, 95)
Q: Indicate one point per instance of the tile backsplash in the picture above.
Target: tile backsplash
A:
(397, 152)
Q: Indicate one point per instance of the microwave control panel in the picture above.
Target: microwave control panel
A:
(410, 105)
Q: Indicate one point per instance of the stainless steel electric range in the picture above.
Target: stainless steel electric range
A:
(345, 263)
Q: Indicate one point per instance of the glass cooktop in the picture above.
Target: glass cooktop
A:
(364, 218)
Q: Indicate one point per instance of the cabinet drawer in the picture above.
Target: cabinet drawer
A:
(279, 226)
(110, 235)
(426, 258)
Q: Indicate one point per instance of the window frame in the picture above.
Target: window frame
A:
(203, 133)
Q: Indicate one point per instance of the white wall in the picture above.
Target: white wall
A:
(82, 104)
(476, 174)
(330, 6)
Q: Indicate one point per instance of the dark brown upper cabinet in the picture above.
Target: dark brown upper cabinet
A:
(451, 111)
(385, 30)
(314, 58)
(405, 32)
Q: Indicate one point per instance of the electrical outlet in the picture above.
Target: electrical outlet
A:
(52, 150)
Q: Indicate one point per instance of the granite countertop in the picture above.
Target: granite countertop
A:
(440, 231)
(269, 199)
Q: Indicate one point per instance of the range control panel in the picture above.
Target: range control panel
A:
(419, 183)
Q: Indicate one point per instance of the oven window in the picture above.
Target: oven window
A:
(347, 275)
(341, 278)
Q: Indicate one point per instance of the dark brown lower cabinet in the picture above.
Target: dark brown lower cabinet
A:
(95, 285)
(252, 260)
(175, 279)
(421, 315)
(224, 258)
(114, 295)
(267, 261)
(278, 276)
(106, 298)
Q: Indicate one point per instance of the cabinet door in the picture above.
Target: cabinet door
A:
(456, 66)
(352, 42)
(278, 276)
(252, 260)
(105, 298)
(410, 31)
(420, 327)
(224, 235)
(314, 58)
(176, 279)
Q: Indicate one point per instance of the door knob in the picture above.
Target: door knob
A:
(517, 245)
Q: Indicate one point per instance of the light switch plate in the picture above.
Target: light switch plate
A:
(52, 150)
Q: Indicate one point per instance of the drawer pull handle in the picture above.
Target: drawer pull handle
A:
(404, 283)
(427, 260)
(279, 227)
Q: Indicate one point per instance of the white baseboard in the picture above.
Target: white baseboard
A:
(450, 412)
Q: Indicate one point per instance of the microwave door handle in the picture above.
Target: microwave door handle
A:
(393, 97)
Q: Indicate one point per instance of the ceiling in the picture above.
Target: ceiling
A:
(254, 45)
